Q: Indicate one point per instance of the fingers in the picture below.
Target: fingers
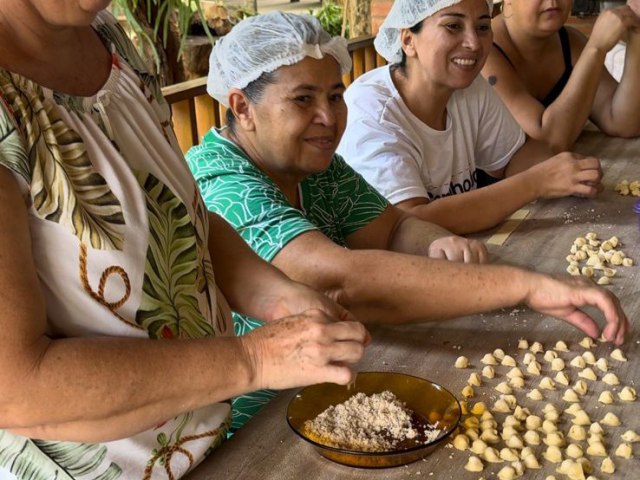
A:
(617, 324)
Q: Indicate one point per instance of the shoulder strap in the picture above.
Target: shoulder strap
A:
(499, 48)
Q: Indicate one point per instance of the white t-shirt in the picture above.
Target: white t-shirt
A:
(404, 158)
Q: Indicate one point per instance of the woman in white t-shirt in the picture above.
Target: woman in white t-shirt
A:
(419, 129)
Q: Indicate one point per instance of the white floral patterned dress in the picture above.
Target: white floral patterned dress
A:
(119, 241)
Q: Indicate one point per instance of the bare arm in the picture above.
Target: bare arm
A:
(589, 89)
(381, 286)
(76, 375)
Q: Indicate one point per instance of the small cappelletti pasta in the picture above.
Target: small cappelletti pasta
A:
(474, 464)
(618, 355)
(535, 394)
(474, 379)
(547, 384)
(500, 406)
(581, 387)
(509, 454)
(606, 397)
(587, 342)
(503, 387)
(562, 378)
(624, 450)
(491, 455)
(611, 420)
(550, 355)
(515, 372)
(507, 473)
(573, 409)
(630, 436)
(596, 428)
(577, 432)
(578, 362)
(533, 422)
(531, 437)
(607, 466)
(597, 449)
(570, 396)
(523, 344)
(461, 442)
(588, 373)
(478, 408)
(488, 372)
(581, 418)
(516, 382)
(574, 451)
(461, 362)
(530, 461)
(528, 358)
(536, 347)
(553, 454)
(628, 394)
(467, 391)
(589, 358)
(602, 364)
(555, 439)
(611, 379)
(508, 361)
(549, 426)
(489, 359)
(557, 364)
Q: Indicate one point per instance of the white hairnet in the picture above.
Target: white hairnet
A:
(406, 14)
(266, 42)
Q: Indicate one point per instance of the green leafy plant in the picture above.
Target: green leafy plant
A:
(330, 16)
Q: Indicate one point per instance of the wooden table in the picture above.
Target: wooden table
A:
(267, 449)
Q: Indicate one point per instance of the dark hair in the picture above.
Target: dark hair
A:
(253, 92)
(402, 64)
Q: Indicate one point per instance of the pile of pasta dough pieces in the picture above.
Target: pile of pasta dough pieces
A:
(555, 409)
(600, 258)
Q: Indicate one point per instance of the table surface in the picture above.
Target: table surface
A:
(266, 448)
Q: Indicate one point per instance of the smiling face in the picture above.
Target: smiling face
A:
(452, 45)
(298, 121)
(538, 15)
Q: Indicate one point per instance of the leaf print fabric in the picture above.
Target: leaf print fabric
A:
(119, 240)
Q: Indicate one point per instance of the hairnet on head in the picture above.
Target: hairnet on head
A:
(406, 14)
(266, 42)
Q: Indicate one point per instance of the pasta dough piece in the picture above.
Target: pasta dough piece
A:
(611, 420)
(511, 400)
(461, 362)
(521, 413)
(550, 355)
(562, 378)
(464, 407)
(488, 372)
(517, 382)
(588, 373)
(574, 451)
(624, 450)
(508, 432)
(597, 449)
(573, 409)
(580, 241)
(534, 368)
(616, 259)
(570, 396)
(474, 464)
(472, 433)
(474, 379)
(578, 362)
(533, 422)
(500, 406)
(489, 359)
(561, 346)
(528, 358)
(547, 384)
(461, 442)
(498, 353)
(591, 236)
(490, 437)
(507, 473)
(606, 397)
(514, 441)
(531, 437)
(628, 394)
(515, 372)
(604, 281)
(627, 262)
(491, 455)
(478, 408)
(595, 438)
(490, 424)
(523, 344)
(509, 454)
(618, 355)
(602, 364)
(557, 364)
(530, 461)
(607, 466)
(478, 447)
(535, 394)
(549, 426)
(555, 439)
(467, 391)
(596, 428)
(577, 432)
(503, 387)
(581, 387)
(571, 469)
(611, 379)
(508, 361)
(553, 454)
(536, 347)
(587, 342)
(581, 418)
(630, 436)
(589, 358)
(586, 272)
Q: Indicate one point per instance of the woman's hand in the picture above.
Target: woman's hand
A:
(563, 297)
(567, 174)
(459, 249)
(613, 24)
(304, 349)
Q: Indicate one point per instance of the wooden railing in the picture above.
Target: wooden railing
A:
(194, 111)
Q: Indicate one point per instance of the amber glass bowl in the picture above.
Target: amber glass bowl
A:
(427, 399)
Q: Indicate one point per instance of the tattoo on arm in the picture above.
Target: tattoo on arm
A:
(492, 80)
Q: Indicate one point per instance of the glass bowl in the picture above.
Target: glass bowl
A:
(428, 400)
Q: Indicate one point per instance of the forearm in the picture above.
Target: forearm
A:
(123, 386)
(395, 288)
(563, 121)
(414, 236)
(479, 209)
(625, 104)
(250, 285)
